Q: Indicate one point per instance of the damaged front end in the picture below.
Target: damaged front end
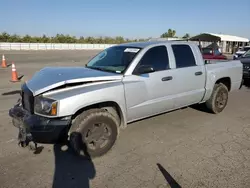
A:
(19, 118)
(40, 118)
(34, 128)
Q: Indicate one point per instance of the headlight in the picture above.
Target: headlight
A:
(45, 106)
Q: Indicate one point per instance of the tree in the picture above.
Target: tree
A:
(61, 38)
(119, 39)
(4, 37)
(81, 40)
(170, 33)
(141, 40)
(186, 36)
(45, 39)
(26, 38)
(14, 38)
(90, 40)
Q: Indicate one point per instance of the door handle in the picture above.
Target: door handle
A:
(198, 73)
(167, 78)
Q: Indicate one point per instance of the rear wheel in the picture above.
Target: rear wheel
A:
(218, 100)
(95, 132)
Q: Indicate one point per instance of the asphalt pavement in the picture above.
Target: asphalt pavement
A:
(184, 148)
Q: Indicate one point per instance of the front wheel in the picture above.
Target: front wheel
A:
(95, 132)
(218, 100)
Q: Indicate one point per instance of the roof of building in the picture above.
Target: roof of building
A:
(212, 37)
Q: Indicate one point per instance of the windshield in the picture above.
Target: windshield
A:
(247, 54)
(114, 59)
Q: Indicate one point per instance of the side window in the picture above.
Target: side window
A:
(157, 57)
(184, 56)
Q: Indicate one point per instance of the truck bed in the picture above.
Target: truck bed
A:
(212, 61)
(231, 69)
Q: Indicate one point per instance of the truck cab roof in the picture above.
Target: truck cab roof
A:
(152, 43)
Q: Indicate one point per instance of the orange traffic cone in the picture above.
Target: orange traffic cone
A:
(14, 77)
(3, 62)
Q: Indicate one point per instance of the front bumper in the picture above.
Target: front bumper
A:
(37, 128)
(246, 75)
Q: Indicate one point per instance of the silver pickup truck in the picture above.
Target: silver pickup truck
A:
(87, 106)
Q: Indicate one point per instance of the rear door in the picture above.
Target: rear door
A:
(149, 94)
(188, 75)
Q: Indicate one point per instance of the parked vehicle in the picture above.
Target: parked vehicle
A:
(88, 106)
(245, 60)
(211, 53)
(241, 51)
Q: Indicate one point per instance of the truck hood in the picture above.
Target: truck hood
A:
(53, 77)
(245, 60)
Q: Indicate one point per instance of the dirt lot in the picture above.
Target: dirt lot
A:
(187, 148)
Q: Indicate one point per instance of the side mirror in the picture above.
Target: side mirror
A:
(143, 69)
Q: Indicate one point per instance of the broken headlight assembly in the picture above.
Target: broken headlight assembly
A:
(45, 106)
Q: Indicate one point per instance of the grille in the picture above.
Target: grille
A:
(27, 100)
(246, 67)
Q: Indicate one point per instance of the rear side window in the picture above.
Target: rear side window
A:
(157, 57)
(184, 56)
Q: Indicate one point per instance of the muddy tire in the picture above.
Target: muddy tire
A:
(94, 133)
(218, 100)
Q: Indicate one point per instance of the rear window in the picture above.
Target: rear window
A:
(184, 56)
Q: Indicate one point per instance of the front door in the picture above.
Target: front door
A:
(150, 93)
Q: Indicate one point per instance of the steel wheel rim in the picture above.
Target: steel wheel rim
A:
(221, 99)
(97, 136)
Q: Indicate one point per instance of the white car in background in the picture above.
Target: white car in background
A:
(241, 51)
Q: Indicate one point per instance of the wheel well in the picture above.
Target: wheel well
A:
(110, 106)
(226, 81)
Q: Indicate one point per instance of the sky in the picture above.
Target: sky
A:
(127, 18)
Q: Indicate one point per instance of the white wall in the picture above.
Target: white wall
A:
(52, 46)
